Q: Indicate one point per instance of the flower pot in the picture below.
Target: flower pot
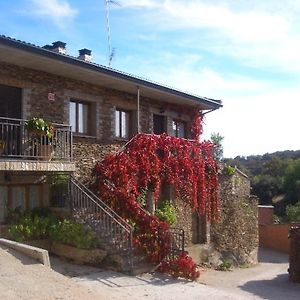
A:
(45, 152)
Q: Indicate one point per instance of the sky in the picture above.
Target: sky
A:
(245, 53)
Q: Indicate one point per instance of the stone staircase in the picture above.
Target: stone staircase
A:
(114, 232)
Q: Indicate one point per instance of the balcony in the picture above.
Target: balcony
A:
(22, 150)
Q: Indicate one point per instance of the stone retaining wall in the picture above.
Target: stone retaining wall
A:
(235, 236)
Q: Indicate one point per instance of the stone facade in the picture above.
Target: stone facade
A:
(237, 230)
(103, 102)
(87, 155)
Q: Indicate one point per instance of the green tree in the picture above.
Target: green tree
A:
(293, 212)
(217, 139)
(292, 182)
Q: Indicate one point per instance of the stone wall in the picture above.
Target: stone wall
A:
(184, 220)
(87, 155)
(235, 236)
(103, 102)
(275, 236)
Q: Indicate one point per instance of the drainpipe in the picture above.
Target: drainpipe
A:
(138, 110)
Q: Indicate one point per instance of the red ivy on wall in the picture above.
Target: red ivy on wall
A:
(147, 161)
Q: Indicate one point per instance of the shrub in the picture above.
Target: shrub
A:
(32, 227)
(226, 265)
(74, 234)
(41, 224)
(293, 212)
(182, 266)
(166, 212)
(228, 170)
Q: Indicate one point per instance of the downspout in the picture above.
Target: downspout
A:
(138, 110)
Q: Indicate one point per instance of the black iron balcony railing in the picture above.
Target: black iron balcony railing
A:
(16, 142)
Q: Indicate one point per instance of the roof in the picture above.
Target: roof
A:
(31, 56)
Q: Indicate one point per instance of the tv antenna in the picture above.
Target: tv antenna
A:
(111, 51)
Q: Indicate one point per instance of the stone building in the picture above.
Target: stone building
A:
(93, 109)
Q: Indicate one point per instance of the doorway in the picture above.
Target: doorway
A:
(10, 126)
(10, 102)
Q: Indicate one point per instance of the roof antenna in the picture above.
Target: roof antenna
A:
(111, 51)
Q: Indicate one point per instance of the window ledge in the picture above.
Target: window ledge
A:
(84, 136)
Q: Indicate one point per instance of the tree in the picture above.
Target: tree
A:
(217, 139)
(292, 182)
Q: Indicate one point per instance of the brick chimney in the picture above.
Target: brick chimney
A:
(59, 47)
(85, 55)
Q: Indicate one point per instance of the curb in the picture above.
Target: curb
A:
(36, 253)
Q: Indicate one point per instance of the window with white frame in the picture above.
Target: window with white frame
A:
(122, 123)
(79, 116)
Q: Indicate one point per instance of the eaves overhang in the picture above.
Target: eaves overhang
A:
(34, 57)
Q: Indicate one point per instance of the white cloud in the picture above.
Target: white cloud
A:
(257, 125)
(58, 11)
(138, 3)
(260, 114)
(263, 36)
(188, 74)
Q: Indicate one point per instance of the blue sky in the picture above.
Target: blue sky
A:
(245, 53)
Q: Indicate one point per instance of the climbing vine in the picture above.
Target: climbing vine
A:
(146, 162)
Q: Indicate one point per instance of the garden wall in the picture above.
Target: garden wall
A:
(265, 214)
(275, 236)
(235, 236)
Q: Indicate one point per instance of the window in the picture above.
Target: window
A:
(79, 116)
(159, 124)
(179, 129)
(122, 124)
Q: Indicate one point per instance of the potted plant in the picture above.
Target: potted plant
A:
(42, 132)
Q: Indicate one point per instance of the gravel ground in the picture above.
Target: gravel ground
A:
(267, 280)
(23, 278)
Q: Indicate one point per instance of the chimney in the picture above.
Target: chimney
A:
(85, 55)
(58, 47)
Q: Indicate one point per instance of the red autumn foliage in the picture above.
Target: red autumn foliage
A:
(183, 266)
(147, 161)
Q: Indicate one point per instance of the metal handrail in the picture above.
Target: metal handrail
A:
(91, 210)
(97, 201)
(108, 225)
(17, 142)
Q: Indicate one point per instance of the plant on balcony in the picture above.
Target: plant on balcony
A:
(40, 128)
(42, 133)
